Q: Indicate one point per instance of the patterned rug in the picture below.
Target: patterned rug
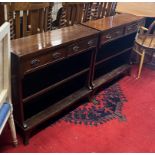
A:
(106, 105)
(137, 134)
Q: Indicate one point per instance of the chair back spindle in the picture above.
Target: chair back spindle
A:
(77, 12)
(93, 11)
(28, 18)
(71, 14)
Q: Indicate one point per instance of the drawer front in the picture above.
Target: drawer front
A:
(82, 45)
(42, 60)
(131, 28)
(108, 36)
(88, 43)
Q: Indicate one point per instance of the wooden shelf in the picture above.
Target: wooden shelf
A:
(111, 75)
(57, 108)
(108, 58)
(54, 86)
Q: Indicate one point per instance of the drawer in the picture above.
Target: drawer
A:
(111, 35)
(41, 60)
(81, 45)
(131, 28)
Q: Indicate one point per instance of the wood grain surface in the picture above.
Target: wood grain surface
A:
(111, 22)
(146, 9)
(50, 39)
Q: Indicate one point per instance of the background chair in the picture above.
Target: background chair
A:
(75, 13)
(97, 10)
(145, 44)
(2, 20)
(70, 13)
(6, 108)
(28, 18)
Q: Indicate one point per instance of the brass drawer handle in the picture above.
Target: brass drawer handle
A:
(35, 62)
(90, 42)
(117, 32)
(130, 28)
(108, 36)
(56, 55)
(75, 48)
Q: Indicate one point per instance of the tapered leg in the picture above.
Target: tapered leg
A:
(13, 130)
(141, 64)
(90, 97)
(26, 137)
(128, 72)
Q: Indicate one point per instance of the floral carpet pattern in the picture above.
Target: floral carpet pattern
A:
(104, 106)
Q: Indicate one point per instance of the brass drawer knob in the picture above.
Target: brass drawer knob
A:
(75, 48)
(130, 28)
(34, 62)
(108, 36)
(90, 42)
(56, 55)
(117, 32)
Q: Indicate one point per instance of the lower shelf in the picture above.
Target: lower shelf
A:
(111, 75)
(56, 108)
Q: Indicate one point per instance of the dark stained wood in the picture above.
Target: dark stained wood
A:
(54, 110)
(57, 108)
(2, 18)
(117, 34)
(111, 75)
(80, 58)
(112, 56)
(87, 11)
(53, 86)
(57, 65)
(16, 90)
(35, 43)
(112, 22)
(49, 17)
(17, 23)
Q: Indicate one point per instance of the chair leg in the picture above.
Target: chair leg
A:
(13, 130)
(141, 64)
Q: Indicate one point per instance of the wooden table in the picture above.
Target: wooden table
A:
(146, 9)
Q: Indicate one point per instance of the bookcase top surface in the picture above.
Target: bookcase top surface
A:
(50, 39)
(107, 23)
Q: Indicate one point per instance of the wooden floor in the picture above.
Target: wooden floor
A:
(146, 9)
